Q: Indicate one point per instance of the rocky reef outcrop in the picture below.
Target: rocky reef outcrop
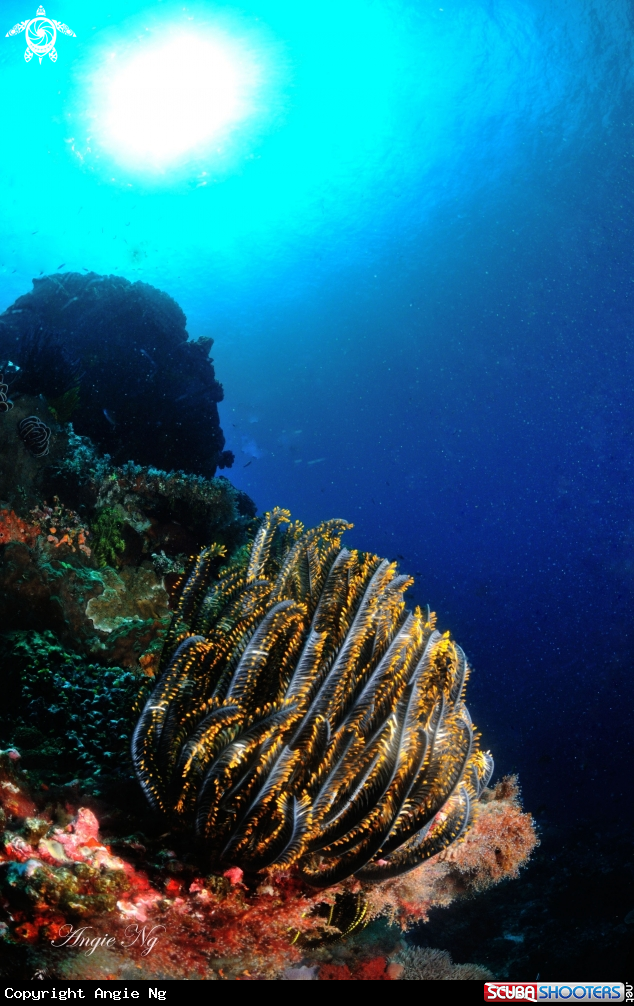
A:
(114, 357)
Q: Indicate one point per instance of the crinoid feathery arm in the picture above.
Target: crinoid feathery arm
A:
(304, 718)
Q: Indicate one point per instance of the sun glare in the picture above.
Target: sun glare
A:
(167, 103)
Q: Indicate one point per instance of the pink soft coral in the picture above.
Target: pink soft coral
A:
(499, 842)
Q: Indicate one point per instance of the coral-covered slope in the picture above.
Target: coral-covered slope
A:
(58, 873)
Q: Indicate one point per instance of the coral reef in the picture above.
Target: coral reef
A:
(84, 613)
(12, 528)
(374, 970)
(61, 526)
(74, 515)
(58, 874)
(423, 964)
(71, 719)
(114, 357)
(499, 842)
(85, 637)
(48, 588)
(56, 871)
(305, 717)
(151, 511)
(136, 511)
(134, 593)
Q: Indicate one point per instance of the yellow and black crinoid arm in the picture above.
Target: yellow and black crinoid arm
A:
(304, 717)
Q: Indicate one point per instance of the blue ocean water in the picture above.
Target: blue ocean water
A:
(413, 247)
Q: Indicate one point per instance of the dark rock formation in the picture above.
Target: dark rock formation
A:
(114, 358)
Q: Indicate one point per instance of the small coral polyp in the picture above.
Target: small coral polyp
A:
(305, 718)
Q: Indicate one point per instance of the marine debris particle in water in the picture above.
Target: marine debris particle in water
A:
(305, 718)
(114, 358)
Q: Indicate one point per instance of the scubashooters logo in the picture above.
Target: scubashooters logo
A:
(143, 938)
(554, 991)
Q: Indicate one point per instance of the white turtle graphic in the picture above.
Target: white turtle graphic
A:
(41, 32)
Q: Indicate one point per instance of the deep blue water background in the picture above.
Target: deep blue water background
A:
(416, 259)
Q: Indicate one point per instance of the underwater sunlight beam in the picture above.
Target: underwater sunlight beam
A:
(170, 100)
